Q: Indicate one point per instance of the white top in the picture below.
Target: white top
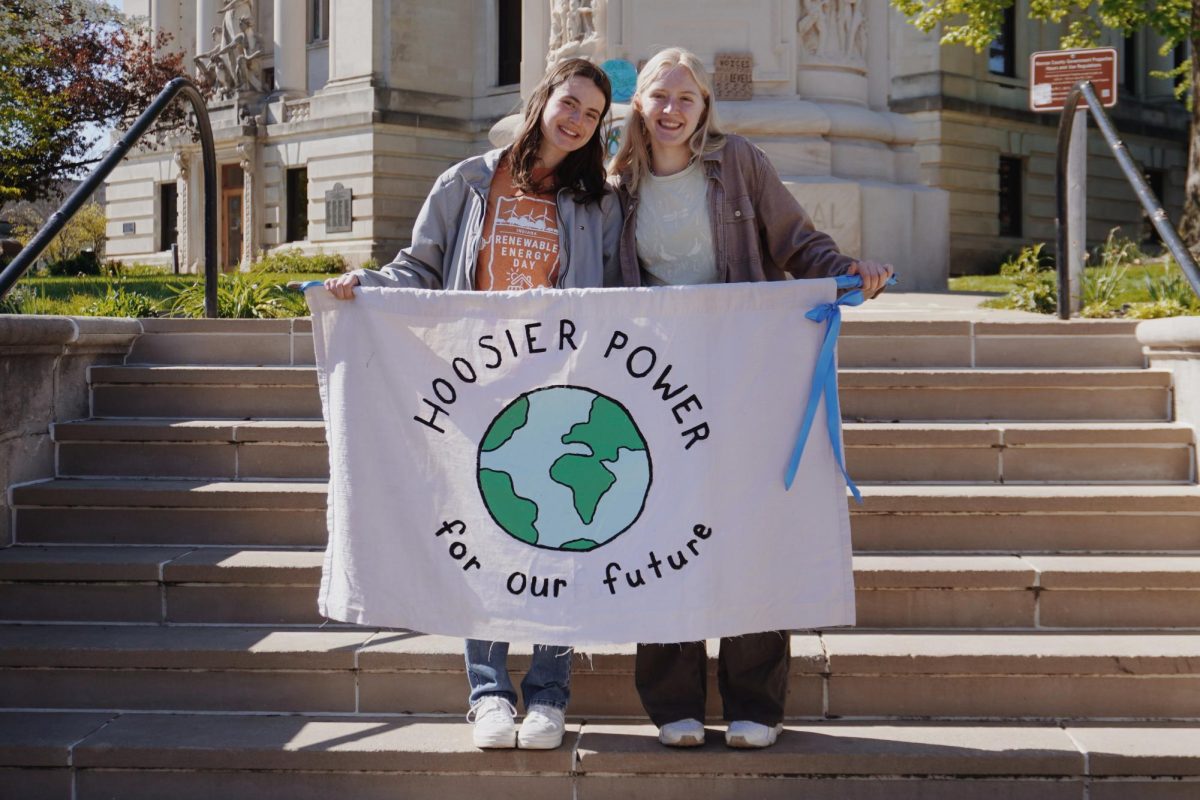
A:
(674, 234)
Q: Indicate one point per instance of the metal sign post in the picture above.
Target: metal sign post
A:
(1052, 76)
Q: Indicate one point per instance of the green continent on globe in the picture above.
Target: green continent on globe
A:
(514, 513)
(578, 544)
(607, 430)
(504, 426)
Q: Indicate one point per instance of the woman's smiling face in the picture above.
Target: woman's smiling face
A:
(571, 116)
(672, 105)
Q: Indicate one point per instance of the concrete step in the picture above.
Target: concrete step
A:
(248, 342)
(230, 392)
(189, 448)
(871, 395)
(866, 342)
(165, 512)
(231, 586)
(1030, 519)
(867, 395)
(859, 674)
(370, 757)
(920, 452)
(1021, 452)
(984, 518)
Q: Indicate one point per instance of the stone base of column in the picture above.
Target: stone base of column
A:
(1174, 344)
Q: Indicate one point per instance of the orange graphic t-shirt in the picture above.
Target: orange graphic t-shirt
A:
(520, 237)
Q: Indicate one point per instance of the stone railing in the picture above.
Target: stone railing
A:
(43, 379)
(296, 110)
(1174, 344)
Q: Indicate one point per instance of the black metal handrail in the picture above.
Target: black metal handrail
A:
(1158, 217)
(25, 259)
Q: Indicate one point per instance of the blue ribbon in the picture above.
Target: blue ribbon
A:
(304, 287)
(824, 382)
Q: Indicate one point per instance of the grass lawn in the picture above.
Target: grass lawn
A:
(1131, 288)
(72, 296)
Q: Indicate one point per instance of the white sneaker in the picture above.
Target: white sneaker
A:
(493, 720)
(542, 729)
(750, 735)
(682, 733)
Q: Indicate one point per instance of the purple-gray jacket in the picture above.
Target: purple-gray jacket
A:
(760, 230)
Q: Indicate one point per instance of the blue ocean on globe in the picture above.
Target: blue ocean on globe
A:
(564, 468)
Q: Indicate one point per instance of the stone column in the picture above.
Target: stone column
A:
(291, 56)
(183, 162)
(246, 156)
(832, 50)
(1174, 344)
(352, 38)
(164, 16)
(206, 20)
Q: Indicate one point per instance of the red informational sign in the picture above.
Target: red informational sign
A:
(1052, 73)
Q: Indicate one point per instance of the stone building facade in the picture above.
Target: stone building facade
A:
(333, 117)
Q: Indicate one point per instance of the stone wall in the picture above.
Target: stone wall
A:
(43, 380)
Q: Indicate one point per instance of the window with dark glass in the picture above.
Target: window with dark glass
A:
(1010, 196)
(168, 215)
(318, 20)
(1157, 178)
(1180, 56)
(1002, 56)
(297, 205)
(1129, 66)
(508, 14)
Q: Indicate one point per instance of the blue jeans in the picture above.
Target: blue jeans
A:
(548, 680)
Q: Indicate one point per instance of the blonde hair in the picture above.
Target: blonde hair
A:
(633, 156)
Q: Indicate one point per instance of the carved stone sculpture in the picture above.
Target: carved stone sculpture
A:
(576, 29)
(833, 31)
(231, 65)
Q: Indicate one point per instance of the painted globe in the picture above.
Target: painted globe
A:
(564, 468)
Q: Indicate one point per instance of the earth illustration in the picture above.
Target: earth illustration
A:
(564, 468)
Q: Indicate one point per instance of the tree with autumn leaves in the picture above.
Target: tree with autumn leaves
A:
(976, 23)
(67, 67)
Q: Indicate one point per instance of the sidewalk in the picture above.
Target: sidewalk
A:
(892, 305)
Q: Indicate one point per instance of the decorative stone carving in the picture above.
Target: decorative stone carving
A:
(183, 163)
(576, 29)
(833, 31)
(249, 227)
(231, 66)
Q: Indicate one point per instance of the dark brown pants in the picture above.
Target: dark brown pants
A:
(752, 675)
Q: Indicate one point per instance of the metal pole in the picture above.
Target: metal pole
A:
(26, 258)
(1077, 203)
(1136, 179)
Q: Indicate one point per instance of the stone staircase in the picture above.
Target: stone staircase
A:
(1027, 563)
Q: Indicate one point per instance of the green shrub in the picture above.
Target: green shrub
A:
(292, 260)
(1156, 309)
(370, 263)
(85, 262)
(26, 300)
(1034, 285)
(1173, 287)
(118, 301)
(240, 295)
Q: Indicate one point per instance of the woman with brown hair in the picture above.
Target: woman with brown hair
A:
(535, 214)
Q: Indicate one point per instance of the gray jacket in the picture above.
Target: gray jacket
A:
(449, 229)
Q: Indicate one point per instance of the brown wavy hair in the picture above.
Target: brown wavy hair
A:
(581, 170)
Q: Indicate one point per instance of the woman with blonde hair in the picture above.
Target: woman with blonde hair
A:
(701, 206)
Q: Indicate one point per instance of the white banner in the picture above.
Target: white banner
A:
(579, 466)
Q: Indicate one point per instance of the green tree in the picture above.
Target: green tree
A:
(976, 23)
(84, 231)
(65, 65)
